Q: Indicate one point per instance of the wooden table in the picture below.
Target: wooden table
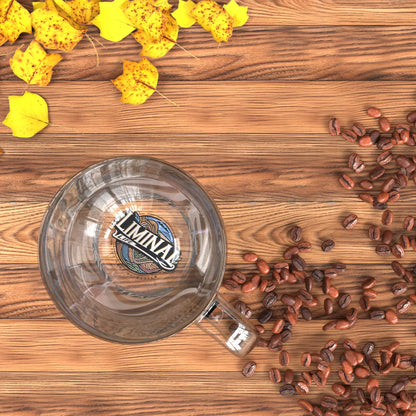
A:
(251, 126)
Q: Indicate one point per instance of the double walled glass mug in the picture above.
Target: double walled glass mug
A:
(133, 250)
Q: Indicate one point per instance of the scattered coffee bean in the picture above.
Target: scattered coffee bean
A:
(374, 233)
(270, 299)
(384, 158)
(250, 257)
(298, 262)
(290, 252)
(366, 198)
(346, 181)
(349, 135)
(365, 303)
(284, 358)
(243, 308)
(275, 342)
(304, 247)
(350, 221)
(374, 112)
(379, 205)
(306, 313)
(368, 348)
(387, 237)
(384, 124)
(287, 390)
(275, 376)
(355, 163)
(344, 300)
(239, 277)
(334, 127)
(295, 234)
(376, 173)
(411, 117)
(251, 285)
(358, 129)
(249, 369)
(328, 306)
(230, 284)
(399, 288)
(397, 250)
(305, 405)
(403, 306)
(383, 250)
(288, 376)
(366, 185)
(387, 217)
(377, 315)
(368, 283)
(392, 317)
(327, 245)
(408, 223)
(265, 316)
(262, 266)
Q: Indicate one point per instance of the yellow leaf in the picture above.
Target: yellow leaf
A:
(54, 31)
(38, 5)
(112, 22)
(144, 15)
(213, 18)
(14, 20)
(28, 114)
(2, 40)
(137, 82)
(34, 65)
(237, 12)
(183, 13)
(84, 11)
(158, 48)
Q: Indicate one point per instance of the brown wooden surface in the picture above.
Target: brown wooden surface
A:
(251, 126)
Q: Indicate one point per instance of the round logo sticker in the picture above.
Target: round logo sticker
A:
(145, 244)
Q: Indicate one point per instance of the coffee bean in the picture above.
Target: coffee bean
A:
(349, 135)
(392, 317)
(344, 300)
(385, 143)
(327, 245)
(250, 257)
(351, 315)
(366, 198)
(404, 241)
(374, 232)
(398, 386)
(368, 283)
(403, 161)
(328, 306)
(368, 348)
(376, 173)
(304, 247)
(338, 389)
(384, 124)
(375, 136)
(275, 376)
(275, 342)
(387, 217)
(402, 180)
(270, 299)
(295, 234)
(383, 250)
(230, 284)
(331, 272)
(251, 285)
(265, 316)
(393, 196)
(366, 185)
(387, 237)
(262, 266)
(388, 184)
(329, 325)
(411, 117)
(382, 197)
(327, 355)
(306, 313)
(290, 252)
(374, 112)
(318, 275)
(403, 306)
(249, 369)
(329, 402)
(278, 326)
(239, 277)
(355, 163)
(397, 250)
(384, 158)
(365, 303)
(408, 223)
(288, 376)
(243, 308)
(287, 390)
(334, 127)
(333, 292)
(377, 315)
(371, 293)
(361, 372)
(346, 181)
(286, 335)
(399, 288)
(305, 405)
(298, 262)
(308, 283)
(350, 221)
(342, 324)
(267, 285)
(280, 266)
(358, 129)
(379, 205)
(365, 141)
(284, 358)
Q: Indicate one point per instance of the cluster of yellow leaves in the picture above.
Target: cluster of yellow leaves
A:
(61, 24)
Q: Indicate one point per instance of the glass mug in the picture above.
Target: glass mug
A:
(133, 250)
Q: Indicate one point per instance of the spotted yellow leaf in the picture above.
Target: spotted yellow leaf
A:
(84, 11)
(183, 13)
(14, 20)
(34, 65)
(137, 82)
(144, 15)
(213, 18)
(237, 12)
(28, 114)
(112, 22)
(54, 31)
(158, 48)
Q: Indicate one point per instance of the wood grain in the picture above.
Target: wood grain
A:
(253, 53)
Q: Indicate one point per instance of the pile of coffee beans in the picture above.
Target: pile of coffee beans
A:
(381, 186)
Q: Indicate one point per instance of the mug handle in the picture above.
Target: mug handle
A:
(222, 322)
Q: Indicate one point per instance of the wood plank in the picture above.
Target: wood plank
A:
(231, 167)
(295, 12)
(216, 107)
(328, 53)
(249, 226)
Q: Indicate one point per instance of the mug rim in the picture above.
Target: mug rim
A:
(58, 301)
